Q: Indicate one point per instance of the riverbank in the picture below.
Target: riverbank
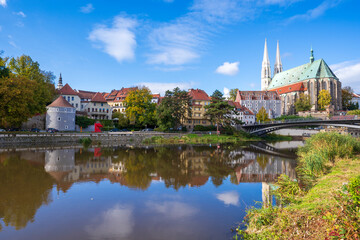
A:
(207, 138)
(323, 203)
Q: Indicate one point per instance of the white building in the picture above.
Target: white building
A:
(60, 115)
(243, 113)
(98, 108)
(71, 96)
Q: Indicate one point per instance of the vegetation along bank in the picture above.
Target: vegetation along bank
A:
(323, 203)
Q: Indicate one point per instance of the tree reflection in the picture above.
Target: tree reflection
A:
(24, 187)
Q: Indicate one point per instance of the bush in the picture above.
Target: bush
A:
(86, 142)
(204, 128)
(83, 121)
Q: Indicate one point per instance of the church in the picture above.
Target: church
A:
(309, 78)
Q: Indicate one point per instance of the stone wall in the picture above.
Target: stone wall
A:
(35, 122)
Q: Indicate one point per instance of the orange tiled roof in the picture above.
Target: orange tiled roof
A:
(86, 94)
(257, 95)
(290, 88)
(67, 90)
(241, 108)
(60, 102)
(198, 94)
(98, 97)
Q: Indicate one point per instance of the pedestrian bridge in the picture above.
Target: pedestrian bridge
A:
(264, 128)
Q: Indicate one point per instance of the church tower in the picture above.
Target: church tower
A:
(278, 65)
(265, 71)
(60, 84)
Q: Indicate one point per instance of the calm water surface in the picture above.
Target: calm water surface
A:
(186, 192)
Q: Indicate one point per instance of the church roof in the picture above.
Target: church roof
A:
(296, 87)
(317, 69)
(60, 102)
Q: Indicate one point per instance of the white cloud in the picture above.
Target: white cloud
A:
(316, 12)
(3, 3)
(158, 87)
(21, 14)
(119, 40)
(348, 73)
(115, 223)
(226, 93)
(228, 68)
(229, 198)
(88, 8)
(183, 40)
(172, 209)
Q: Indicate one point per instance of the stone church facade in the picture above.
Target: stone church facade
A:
(309, 78)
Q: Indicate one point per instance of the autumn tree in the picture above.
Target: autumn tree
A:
(262, 115)
(139, 108)
(16, 95)
(219, 110)
(233, 93)
(346, 97)
(123, 121)
(324, 99)
(173, 109)
(303, 103)
(43, 82)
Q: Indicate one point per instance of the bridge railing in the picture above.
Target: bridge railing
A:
(288, 121)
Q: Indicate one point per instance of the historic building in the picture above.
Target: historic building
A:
(309, 78)
(255, 100)
(197, 117)
(116, 99)
(70, 95)
(98, 108)
(60, 115)
(242, 113)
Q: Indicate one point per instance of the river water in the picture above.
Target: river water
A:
(176, 192)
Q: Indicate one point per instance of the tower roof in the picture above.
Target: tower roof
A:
(317, 69)
(266, 54)
(60, 102)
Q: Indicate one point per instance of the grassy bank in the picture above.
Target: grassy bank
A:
(323, 203)
(207, 138)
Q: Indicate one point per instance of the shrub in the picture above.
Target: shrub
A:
(204, 128)
(83, 121)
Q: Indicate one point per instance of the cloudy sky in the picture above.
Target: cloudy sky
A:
(102, 45)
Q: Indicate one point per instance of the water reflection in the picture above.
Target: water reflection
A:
(28, 177)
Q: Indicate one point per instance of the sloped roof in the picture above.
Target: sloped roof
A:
(60, 102)
(198, 94)
(86, 94)
(257, 95)
(240, 108)
(98, 97)
(123, 92)
(67, 90)
(317, 69)
(290, 88)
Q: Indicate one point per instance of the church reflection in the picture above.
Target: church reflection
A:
(28, 177)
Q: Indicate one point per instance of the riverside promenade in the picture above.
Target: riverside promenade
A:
(29, 139)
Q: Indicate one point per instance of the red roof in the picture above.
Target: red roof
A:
(256, 95)
(86, 94)
(156, 95)
(290, 88)
(240, 108)
(60, 102)
(98, 97)
(67, 90)
(198, 94)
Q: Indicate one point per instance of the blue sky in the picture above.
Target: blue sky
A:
(101, 45)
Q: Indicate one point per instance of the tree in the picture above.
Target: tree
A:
(346, 97)
(303, 103)
(353, 112)
(324, 99)
(123, 121)
(16, 95)
(4, 71)
(233, 93)
(219, 110)
(173, 108)
(43, 82)
(262, 115)
(139, 108)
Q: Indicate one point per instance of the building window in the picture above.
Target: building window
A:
(102, 104)
(68, 99)
(72, 98)
(59, 118)
(77, 105)
(66, 127)
(94, 104)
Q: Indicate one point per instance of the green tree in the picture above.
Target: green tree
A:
(353, 112)
(4, 71)
(139, 108)
(83, 121)
(324, 99)
(219, 110)
(123, 121)
(303, 103)
(262, 115)
(173, 108)
(16, 95)
(43, 82)
(346, 97)
(233, 93)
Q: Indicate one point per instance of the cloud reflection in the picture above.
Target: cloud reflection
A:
(115, 223)
(172, 209)
(229, 198)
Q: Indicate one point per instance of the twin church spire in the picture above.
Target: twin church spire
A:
(266, 70)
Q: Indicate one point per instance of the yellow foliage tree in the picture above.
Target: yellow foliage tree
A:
(262, 115)
(324, 99)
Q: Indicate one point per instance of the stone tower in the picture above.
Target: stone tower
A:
(60, 84)
(265, 70)
(278, 65)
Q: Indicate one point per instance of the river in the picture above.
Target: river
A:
(161, 192)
